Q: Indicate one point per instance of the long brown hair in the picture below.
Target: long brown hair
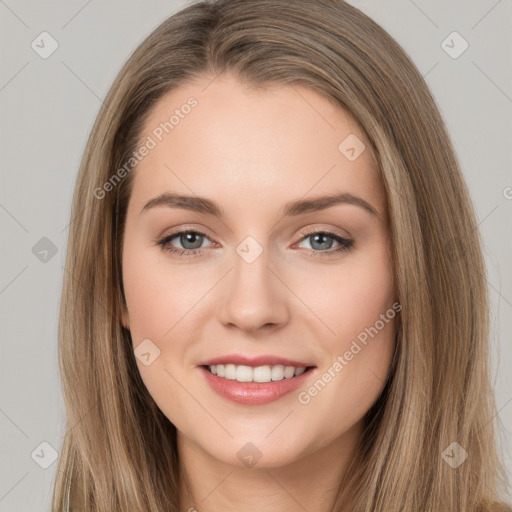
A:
(119, 451)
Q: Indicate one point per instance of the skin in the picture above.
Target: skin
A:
(252, 152)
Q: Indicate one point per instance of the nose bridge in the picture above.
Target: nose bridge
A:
(254, 296)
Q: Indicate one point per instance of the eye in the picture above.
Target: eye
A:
(322, 240)
(190, 239)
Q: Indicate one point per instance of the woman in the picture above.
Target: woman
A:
(275, 294)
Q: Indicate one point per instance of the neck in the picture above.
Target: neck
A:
(308, 483)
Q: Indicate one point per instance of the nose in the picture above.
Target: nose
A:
(254, 296)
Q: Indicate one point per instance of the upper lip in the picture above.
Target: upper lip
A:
(263, 360)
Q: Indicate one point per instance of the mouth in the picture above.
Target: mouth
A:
(255, 381)
(260, 374)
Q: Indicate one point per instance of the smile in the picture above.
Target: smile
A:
(267, 373)
(255, 381)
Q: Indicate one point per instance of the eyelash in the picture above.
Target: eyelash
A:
(346, 244)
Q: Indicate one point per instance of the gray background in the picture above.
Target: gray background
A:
(47, 108)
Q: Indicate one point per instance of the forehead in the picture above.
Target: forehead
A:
(217, 136)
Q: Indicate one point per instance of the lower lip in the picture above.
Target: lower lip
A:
(253, 393)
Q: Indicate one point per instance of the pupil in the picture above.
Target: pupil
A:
(189, 238)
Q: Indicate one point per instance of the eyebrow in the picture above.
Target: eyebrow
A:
(292, 208)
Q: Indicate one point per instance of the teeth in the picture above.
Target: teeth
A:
(230, 372)
(242, 373)
(262, 374)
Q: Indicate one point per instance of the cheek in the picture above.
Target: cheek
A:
(157, 294)
(359, 308)
(351, 297)
(164, 304)
(156, 302)
(355, 302)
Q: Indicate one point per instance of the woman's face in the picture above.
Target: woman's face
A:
(277, 276)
